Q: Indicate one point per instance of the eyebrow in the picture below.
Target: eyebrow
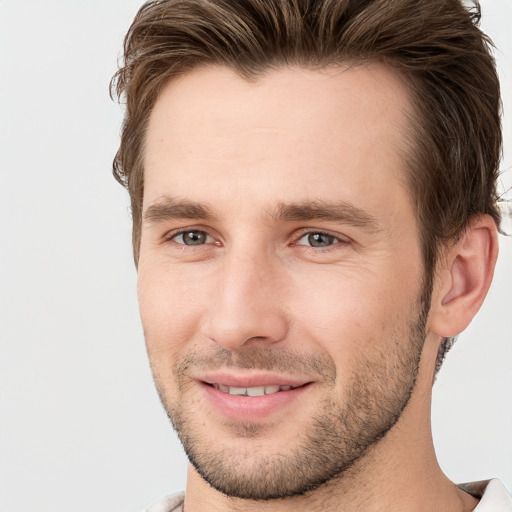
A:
(168, 208)
(343, 211)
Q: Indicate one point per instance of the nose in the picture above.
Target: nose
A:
(248, 307)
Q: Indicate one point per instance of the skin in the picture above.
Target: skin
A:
(256, 290)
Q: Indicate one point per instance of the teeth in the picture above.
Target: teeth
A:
(259, 391)
(237, 391)
(255, 391)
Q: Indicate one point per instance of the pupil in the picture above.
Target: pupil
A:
(320, 240)
(194, 238)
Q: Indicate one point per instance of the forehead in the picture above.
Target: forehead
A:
(295, 132)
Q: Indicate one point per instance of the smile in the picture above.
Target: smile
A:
(255, 401)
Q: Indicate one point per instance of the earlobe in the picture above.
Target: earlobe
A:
(464, 277)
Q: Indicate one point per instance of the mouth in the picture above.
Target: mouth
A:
(252, 398)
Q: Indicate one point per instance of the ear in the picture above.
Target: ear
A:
(463, 277)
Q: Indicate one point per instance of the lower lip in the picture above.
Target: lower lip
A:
(250, 408)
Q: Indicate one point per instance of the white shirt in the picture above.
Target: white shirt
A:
(492, 494)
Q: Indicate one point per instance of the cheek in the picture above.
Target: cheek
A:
(171, 304)
(349, 311)
(337, 298)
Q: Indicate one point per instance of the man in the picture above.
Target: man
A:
(313, 187)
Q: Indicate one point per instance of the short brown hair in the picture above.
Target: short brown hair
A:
(434, 45)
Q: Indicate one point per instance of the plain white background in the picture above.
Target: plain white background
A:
(81, 428)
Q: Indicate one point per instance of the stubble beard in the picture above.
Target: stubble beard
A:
(339, 435)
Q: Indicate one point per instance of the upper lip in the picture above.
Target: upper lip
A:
(252, 380)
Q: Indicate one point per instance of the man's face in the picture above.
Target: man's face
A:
(280, 274)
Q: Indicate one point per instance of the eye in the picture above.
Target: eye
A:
(191, 237)
(318, 240)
